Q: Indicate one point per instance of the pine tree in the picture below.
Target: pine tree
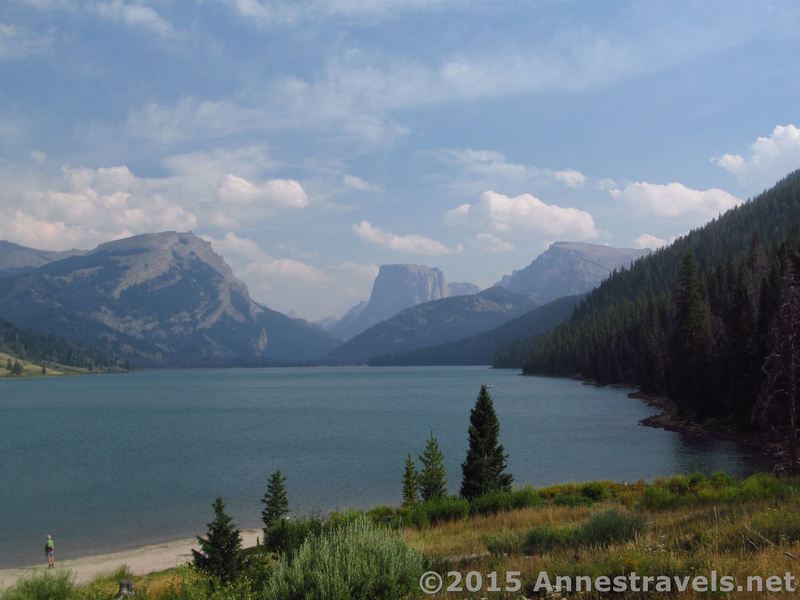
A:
(432, 479)
(410, 482)
(44, 369)
(9, 365)
(690, 344)
(484, 469)
(219, 553)
(275, 501)
(17, 368)
(778, 405)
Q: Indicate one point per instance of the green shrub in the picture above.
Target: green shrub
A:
(504, 542)
(385, 515)
(572, 500)
(658, 497)
(499, 501)
(361, 561)
(610, 526)
(436, 511)
(596, 490)
(56, 585)
(287, 535)
(545, 538)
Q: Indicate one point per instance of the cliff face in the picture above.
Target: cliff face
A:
(569, 268)
(396, 288)
(163, 299)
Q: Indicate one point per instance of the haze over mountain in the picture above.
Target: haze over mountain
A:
(158, 299)
(481, 348)
(435, 322)
(569, 268)
(396, 288)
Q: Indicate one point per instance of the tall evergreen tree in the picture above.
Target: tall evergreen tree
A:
(9, 365)
(484, 469)
(778, 405)
(275, 500)
(432, 479)
(410, 482)
(17, 368)
(220, 550)
(690, 345)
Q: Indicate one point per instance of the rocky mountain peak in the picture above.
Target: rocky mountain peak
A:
(569, 268)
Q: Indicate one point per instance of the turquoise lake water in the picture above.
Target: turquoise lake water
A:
(117, 461)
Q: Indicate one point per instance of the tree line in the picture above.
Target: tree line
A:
(43, 348)
(707, 321)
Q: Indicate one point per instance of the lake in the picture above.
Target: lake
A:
(110, 462)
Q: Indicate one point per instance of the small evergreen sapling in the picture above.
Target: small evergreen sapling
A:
(275, 500)
(220, 551)
(432, 479)
(410, 482)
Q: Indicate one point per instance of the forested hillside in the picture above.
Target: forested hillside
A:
(480, 349)
(49, 349)
(696, 320)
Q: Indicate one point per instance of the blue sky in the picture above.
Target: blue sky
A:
(313, 140)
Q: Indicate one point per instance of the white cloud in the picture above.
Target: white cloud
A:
(570, 177)
(771, 158)
(84, 207)
(524, 214)
(410, 244)
(487, 242)
(38, 156)
(355, 93)
(647, 240)
(277, 12)
(132, 14)
(286, 193)
(252, 264)
(675, 200)
(480, 169)
(360, 184)
(16, 42)
(606, 184)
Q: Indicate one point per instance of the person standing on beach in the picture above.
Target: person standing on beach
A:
(49, 548)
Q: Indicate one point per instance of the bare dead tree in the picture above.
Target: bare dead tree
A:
(776, 409)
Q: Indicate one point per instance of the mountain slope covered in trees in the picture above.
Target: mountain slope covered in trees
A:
(480, 349)
(695, 320)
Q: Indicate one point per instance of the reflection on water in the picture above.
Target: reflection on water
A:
(110, 462)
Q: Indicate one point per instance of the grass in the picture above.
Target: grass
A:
(31, 369)
(685, 525)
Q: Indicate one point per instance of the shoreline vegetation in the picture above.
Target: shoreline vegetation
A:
(675, 526)
(685, 525)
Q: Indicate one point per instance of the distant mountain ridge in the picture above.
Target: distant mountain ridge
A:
(435, 322)
(15, 258)
(569, 268)
(482, 348)
(397, 287)
(158, 299)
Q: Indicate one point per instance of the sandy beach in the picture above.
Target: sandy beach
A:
(140, 561)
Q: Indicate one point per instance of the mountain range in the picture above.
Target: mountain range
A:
(396, 288)
(167, 299)
(158, 299)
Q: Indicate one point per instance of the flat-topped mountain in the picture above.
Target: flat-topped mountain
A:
(158, 299)
(569, 268)
(396, 288)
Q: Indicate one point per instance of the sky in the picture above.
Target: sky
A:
(312, 140)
